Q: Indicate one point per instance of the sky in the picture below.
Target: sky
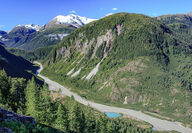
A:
(14, 12)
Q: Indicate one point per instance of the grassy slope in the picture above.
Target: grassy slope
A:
(145, 63)
(37, 54)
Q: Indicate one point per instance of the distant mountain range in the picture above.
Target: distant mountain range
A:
(31, 36)
(30, 26)
(70, 20)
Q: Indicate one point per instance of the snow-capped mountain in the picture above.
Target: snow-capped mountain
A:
(69, 20)
(30, 26)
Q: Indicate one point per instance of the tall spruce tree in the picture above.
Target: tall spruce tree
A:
(75, 118)
(5, 85)
(62, 118)
(32, 98)
(111, 127)
(18, 95)
(44, 105)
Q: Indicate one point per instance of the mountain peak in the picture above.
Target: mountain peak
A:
(30, 26)
(73, 19)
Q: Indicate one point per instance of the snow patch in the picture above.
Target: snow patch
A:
(30, 26)
(93, 72)
(33, 26)
(70, 72)
(76, 73)
(71, 19)
(57, 36)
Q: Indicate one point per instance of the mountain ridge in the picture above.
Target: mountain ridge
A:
(70, 20)
(125, 58)
(31, 36)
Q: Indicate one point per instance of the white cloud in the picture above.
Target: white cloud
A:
(73, 11)
(114, 9)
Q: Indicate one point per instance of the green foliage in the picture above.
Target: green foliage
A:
(32, 98)
(75, 118)
(5, 85)
(181, 26)
(148, 61)
(62, 119)
(100, 50)
(18, 127)
(41, 39)
(38, 54)
(17, 93)
(62, 113)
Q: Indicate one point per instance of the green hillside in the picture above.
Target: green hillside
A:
(16, 66)
(55, 113)
(45, 37)
(141, 64)
(38, 54)
(181, 25)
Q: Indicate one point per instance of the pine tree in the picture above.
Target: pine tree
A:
(31, 98)
(110, 127)
(82, 122)
(18, 94)
(62, 118)
(103, 122)
(5, 85)
(97, 126)
(44, 105)
(90, 120)
(75, 118)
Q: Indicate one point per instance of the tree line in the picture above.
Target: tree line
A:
(69, 117)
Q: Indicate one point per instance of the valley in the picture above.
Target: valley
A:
(158, 124)
(68, 73)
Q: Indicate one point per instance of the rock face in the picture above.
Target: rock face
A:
(6, 115)
(16, 37)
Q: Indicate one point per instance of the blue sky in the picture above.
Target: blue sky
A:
(14, 12)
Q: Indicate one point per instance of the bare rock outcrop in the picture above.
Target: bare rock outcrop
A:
(6, 115)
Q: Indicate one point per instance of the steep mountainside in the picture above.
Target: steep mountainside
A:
(130, 60)
(2, 33)
(181, 24)
(16, 37)
(37, 54)
(15, 66)
(46, 37)
(30, 37)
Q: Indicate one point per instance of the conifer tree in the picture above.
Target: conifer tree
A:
(97, 126)
(32, 98)
(110, 127)
(90, 120)
(62, 118)
(5, 85)
(44, 104)
(18, 94)
(103, 127)
(75, 118)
